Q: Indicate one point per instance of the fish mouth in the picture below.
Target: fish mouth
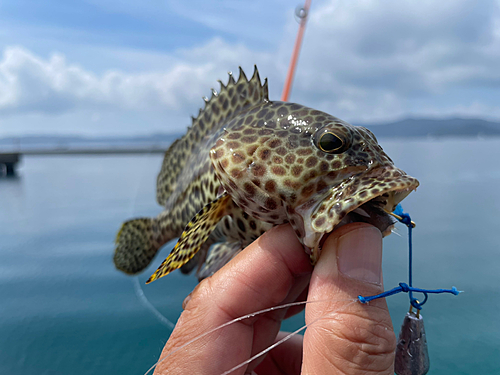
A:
(376, 212)
(367, 198)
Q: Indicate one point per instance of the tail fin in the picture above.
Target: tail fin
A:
(136, 245)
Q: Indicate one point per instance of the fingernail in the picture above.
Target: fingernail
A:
(360, 255)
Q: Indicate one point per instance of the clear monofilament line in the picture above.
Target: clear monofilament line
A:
(148, 305)
(137, 287)
(287, 337)
(240, 319)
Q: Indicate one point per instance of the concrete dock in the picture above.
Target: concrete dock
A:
(9, 160)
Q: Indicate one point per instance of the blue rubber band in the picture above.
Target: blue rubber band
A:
(403, 287)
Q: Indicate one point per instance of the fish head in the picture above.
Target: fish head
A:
(283, 162)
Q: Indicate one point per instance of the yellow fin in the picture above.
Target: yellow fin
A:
(194, 236)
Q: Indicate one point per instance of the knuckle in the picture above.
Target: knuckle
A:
(360, 342)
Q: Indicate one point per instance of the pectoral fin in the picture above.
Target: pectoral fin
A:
(194, 236)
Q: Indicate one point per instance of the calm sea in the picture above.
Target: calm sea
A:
(64, 309)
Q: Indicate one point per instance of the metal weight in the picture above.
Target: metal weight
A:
(412, 356)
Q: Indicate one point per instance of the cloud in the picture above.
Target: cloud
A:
(254, 21)
(363, 61)
(377, 57)
(28, 83)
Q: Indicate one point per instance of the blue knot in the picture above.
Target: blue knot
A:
(362, 299)
(399, 210)
(403, 287)
(405, 219)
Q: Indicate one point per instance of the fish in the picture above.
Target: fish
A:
(247, 164)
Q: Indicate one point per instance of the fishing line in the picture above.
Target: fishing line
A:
(147, 304)
(139, 292)
(290, 335)
(405, 218)
(412, 354)
(287, 305)
(403, 287)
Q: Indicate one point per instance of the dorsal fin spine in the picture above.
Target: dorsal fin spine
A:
(242, 75)
(218, 110)
(231, 78)
(255, 75)
(266, 90)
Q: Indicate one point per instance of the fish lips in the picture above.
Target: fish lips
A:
(366, 197)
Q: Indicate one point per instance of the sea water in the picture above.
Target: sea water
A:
(65, 309)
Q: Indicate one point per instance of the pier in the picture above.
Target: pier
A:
(9, 160)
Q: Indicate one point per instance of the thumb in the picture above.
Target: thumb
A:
(350, 338)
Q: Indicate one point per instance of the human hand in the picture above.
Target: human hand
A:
(345, 337)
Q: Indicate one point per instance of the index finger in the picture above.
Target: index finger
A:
(271, 271)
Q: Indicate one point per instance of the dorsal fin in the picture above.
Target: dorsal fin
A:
(219, 109)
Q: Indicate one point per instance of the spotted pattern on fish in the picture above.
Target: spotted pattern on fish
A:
(187, 182)
(270, 165)
(140, 233)
(232, 99)
(197, 232)
(264, 163)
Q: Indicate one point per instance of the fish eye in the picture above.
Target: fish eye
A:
(331, 143)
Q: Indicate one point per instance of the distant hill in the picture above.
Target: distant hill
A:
(456, 127)
(77, 139)
(408, 128)
(74, 142)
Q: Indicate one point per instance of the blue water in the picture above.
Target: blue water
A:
(64, 309)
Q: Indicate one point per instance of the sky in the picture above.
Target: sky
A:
(123, 67)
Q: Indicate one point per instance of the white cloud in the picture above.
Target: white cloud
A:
(29, 83)
(383, 55)
(362, 60)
